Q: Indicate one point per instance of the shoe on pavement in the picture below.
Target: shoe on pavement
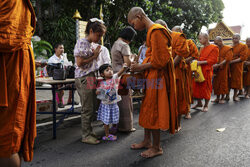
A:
(60, 105)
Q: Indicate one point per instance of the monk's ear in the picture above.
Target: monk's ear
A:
(139, 16)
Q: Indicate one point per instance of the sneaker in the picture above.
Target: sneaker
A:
(75, 103)
(60, 105)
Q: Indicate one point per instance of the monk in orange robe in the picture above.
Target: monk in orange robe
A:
(180, 51)
(220, 81)
(186, 81)
(193, 54)
(158, 109)
(17, 76)
(236, 65)
(247, 74)
(208, 57)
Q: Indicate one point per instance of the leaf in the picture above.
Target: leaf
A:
(220, 129)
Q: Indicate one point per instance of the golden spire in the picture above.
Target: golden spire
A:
(77, 15)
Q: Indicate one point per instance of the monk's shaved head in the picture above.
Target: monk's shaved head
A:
(236, 36)
(219, 41)
(177, 29)
(204, 35)
(134, 12)
(248, 39)
(161, 22)
(137, 18)
(218, 38)
(236, 39)
(204, 38)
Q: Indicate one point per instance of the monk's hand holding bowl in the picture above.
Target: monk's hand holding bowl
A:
(135, 67)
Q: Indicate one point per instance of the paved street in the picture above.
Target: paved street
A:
(198, 144)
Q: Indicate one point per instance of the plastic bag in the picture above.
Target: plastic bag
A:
(198, 75)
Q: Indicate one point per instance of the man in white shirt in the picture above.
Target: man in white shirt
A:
(61, 57)
(104, 56)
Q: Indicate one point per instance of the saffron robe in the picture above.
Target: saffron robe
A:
(180, 48)
(158, 109)
(220, 81)
(17, 76)
(247, 73)
(193, 52)
(236, 69)
(203, 90)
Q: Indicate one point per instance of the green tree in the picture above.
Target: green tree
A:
(56, 24)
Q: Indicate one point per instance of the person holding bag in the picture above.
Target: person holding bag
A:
(208, 57)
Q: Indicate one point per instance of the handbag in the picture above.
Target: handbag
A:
(51, 66)
(70, 70)
(198, 75)
(59, 74)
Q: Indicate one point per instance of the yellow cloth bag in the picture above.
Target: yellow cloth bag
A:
(198, 75)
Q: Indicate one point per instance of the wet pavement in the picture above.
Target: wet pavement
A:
(198, 144)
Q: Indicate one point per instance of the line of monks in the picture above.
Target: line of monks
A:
(230, 71)
(224, 67)
(168, 58)
(227, 66)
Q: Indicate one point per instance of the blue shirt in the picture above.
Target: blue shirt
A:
(142, 56)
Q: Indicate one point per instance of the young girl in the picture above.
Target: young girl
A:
(86, 66)
(108, 111)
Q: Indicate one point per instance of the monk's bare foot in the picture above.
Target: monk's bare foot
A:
(141, 145)
(221, 101)
(177, 130)
(236, 99)
(196, 106)
(216, 101)
(205, 109)
(152, 152)
(240, 93)
(188, 116)
(247, 96)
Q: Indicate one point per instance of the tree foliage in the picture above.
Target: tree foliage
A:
(56, 24)
(42, 48)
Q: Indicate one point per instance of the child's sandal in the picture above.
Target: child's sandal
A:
(109, 138)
